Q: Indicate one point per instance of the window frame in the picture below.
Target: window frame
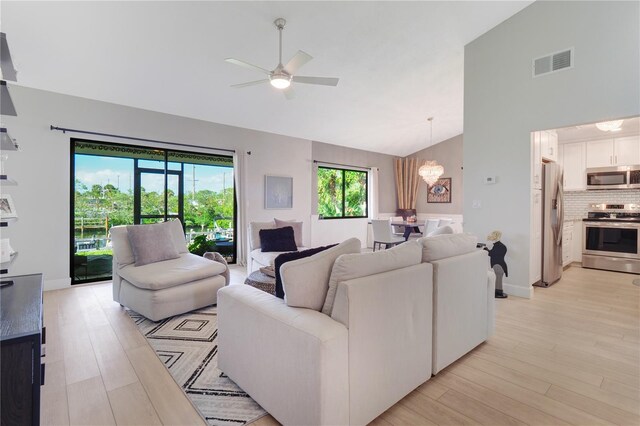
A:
(165, 171)
(343, 170)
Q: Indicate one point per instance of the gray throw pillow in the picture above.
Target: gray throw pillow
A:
(151, 243)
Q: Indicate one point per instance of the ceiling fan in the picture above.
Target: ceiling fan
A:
(282, 76)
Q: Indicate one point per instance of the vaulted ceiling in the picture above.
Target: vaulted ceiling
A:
(398, 62)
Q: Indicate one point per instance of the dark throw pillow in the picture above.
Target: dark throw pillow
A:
(287, 257)
(279, 239)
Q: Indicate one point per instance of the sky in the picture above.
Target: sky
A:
(92, 170)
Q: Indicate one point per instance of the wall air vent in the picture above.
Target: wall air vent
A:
(552, 63)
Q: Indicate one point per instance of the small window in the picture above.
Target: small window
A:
(342, 193)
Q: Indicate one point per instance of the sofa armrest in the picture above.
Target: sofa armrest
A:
(460, 316)
(390, 324)
(491, 302)
(217, 257)
(292, 361)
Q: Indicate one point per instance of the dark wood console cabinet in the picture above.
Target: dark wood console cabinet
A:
(21, 368)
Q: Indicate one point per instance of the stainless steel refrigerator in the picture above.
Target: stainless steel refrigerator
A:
(552, 223)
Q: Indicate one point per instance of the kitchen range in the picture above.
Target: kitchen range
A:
(611, 237)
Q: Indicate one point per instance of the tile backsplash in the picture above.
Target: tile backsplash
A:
(576, 203)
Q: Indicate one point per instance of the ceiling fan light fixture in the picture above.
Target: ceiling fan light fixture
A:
(610, 126)
(280, 81)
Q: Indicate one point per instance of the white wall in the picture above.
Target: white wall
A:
(503, 104)
(42, 168)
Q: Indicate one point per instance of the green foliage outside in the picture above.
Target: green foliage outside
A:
(201, 244)
(331, 183)
(103, 252)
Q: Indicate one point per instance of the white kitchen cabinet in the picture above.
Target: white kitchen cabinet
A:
(576, 240)
(600, 153)
(626, 150)
(536, 161)
(549, 145)
(567, 243)
(573, 161)
(622, 151)
(535, 249)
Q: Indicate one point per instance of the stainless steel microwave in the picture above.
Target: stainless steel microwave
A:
(620, 177)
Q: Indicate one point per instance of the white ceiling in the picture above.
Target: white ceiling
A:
(398, 63)
(630, 126)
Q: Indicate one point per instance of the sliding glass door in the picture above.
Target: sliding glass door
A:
(115, 184)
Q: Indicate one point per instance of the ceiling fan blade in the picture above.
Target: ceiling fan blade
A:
(325, 81)
(247, 65)
(298, 60)
(289, 93)
(250, 83)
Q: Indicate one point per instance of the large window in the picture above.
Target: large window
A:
(116, 184)
(342, 193)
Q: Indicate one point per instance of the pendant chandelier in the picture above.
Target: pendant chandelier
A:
(431, 170)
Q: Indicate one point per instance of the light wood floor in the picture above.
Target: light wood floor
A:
(571, 355)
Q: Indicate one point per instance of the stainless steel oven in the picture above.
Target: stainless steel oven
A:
(612, 239)
(619, 177)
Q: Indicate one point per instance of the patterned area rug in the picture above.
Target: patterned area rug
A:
(187, 344)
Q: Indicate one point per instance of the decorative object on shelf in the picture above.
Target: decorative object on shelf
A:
(6, 104)
(440, 191)
(7, 71)
(7, 208)
(3, 158)
(278, 192)
(497, 252)
(6, 252)
(6, 143)
(610, 126)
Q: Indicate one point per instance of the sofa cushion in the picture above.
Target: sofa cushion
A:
(306, 281)
(447, 245)
(186, 268)
(350, 266)
(441, 230)
(121, 247)
(288, 257)
(254, 232)
(177, 235)
(268, 258)
(297, 229)
(278, 239)
(151, 243)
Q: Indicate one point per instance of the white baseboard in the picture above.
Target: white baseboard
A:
(57, 284)
(518, 290)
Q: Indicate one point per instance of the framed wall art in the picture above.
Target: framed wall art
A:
(7, 208)
(440, 192)
(278, 192)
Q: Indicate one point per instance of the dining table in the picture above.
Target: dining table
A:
(409, 227)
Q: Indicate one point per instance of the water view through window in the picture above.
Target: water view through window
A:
(124, 185)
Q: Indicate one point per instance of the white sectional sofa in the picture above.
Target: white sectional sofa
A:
(399, 316)
(308, 368)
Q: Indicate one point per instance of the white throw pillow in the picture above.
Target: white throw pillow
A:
(254, 230)
(297, 229)
(306, 281)
(350, 266)
(177, 235)
(441, 230)
(121, 247)
(448, 245)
